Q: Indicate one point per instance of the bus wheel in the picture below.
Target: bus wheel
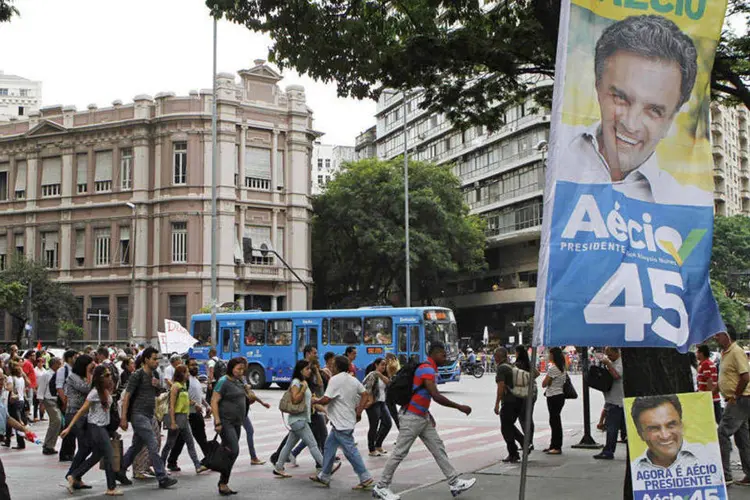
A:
(256, 375)
(283, 385)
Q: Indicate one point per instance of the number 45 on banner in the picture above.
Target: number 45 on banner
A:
(634, 315)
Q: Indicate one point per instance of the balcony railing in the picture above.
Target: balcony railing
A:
(507, 195)
(513, 220)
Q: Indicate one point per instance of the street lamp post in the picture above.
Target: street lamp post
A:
(406, 205)
(133, 236)
(214, 222)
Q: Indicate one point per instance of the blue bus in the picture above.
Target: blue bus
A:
(272, 342)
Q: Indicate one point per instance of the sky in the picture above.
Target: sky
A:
(97, 51)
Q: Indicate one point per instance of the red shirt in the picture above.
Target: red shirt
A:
(420, 401)
(705, 370)
(28, 369)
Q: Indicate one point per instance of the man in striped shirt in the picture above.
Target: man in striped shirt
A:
(708, 378)
(417, 422)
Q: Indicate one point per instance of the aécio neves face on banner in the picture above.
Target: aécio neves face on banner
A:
(628, 217)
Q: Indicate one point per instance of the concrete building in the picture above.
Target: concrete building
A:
(70, 175)
(502, 177)
(326, 163)
(18, 97)
(729, 143)
(364, 146)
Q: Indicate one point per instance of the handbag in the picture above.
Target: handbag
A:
(568, 390)
(599, 378)
(116, 455)
(218, 457)
(286, 405)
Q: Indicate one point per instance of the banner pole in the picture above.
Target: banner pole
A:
(527, 427)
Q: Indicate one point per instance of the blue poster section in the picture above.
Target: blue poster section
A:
(628, 273)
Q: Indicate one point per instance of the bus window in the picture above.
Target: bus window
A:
(300, 338)
(346, 331)
(280, 332)
(255, 332)
(378, 331)
(325, 332)
(236, 340)
(226, 334)
(414, 339)
(402, 339)
(202, 332)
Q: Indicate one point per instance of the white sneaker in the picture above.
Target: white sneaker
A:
(461, 485)
(384, 494)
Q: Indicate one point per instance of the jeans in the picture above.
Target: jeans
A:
(250, 432)
(718, 411)
(143, 435)
(344, 439)
(522, 420)
(299, 430)
(734, 423)
(183, 431)
(393, 412)
(380, 425)
(511, 434)
(198, 428)
(101, 449)
(413, 427)
(554, 406)
(68, 445)
(230, 437)
(55, 422)
(615, 424)
(319, 430)
(82, 438)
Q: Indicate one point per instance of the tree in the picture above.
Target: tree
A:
(463, 53)
(11, 295)
(7, 10)
(358, 235)
(50, 300)
(730, 260)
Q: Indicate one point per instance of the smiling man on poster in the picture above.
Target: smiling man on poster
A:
(645, 69)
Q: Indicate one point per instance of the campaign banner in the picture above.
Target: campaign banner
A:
(674, 448)
(628, 203)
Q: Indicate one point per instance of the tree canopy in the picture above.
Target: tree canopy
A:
(50, 300)
(463, 53)
(358, 234)
(730, 268)
(7, 11)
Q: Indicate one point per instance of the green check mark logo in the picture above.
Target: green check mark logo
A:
(680, 255)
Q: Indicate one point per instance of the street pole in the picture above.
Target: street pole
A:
(587, 441)
(99, 318)
(527, 427)
(406, 206)
(214, 222)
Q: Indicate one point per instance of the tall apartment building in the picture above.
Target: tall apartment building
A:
(502, 178)
(326, 163)
(99, 194)
(18, 97)
(364, 146)
(729, 143)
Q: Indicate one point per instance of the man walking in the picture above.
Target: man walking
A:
(510, 410)
(48, 397)
(140, 398)
(417, 422)
(613, 403)
(708, 378)
(346, 399)
(68, 446)
(734, 375)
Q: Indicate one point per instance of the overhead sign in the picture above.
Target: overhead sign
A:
(628, 203)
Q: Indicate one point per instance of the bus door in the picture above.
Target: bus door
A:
(408, 343)
(229, 339)
(306, 333)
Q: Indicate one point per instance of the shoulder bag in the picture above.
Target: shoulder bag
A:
(568, 390)
(287, 406)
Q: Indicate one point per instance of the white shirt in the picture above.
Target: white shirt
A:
(195, 392)
(555, 387)
(581, 162)
(345, 392)
(615, 394)
(60, 379)
(689, 455)
(42, 386)
(169, 373)
(19, 387)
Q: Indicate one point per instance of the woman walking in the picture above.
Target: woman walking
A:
(16, 402)
(524, 363)
(377, 413)
(554, 382)
(299, 424)
(228, 406)
(96, 410)
(179, 408)
(77, 388)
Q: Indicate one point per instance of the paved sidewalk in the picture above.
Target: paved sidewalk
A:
(574, 474)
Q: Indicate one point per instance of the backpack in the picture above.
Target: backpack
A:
(162, 406)
(401, 388)
(220, 369)
(53, 384)
(521, 378)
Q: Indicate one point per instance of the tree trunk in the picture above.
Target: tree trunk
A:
(651, 372)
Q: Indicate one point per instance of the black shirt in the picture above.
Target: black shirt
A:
(504, 373)
(145, 393)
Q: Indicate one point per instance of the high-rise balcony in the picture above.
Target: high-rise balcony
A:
(718, 150)
(511, 222)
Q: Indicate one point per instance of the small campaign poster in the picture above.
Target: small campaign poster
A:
(628, 201)
(674, 448)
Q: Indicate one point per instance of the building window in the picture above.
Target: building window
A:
(260, 235)
(258, 184)
(3, 91)
(50, 249)
(180, 162)
(258, 169)
(99, 304)
(103, 180)
(122, 318)
(328, 163)
(51, 175)
(3, 257)
(3, 181)
(179, 242)
(124, 245)
(178, 308)
(19, 246)
(320, 180)
(24, 92)
(20, 189)
(82, 173)
(80, 254)
(20, 110)
(320, 164)
(101, 246)
(126, 168)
